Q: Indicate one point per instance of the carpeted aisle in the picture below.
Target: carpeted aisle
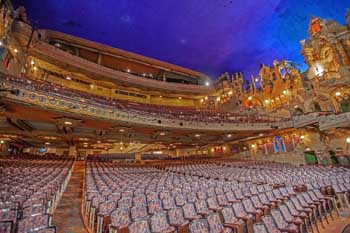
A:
(67, 217)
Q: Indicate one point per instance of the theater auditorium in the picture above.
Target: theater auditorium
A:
(187, 116)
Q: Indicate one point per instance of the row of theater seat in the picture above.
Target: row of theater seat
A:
(164, 199)
(172, 112)
(30, 190)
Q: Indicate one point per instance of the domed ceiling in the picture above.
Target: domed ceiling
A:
(211, 36)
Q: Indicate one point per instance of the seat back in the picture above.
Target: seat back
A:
(138, 212)
(140, 226)
(199, 226)
(33, 222)
(32, 210)
(189, 211)
(214, 223)
(6, 226)
(269, 223)
(120, 217)
(159, 222)
(176, 216)
(106, 208)
(259, 228)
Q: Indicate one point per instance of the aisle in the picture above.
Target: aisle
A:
(67, 217)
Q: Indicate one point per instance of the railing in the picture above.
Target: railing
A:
(334, 121)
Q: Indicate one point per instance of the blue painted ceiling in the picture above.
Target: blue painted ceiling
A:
(211, 36)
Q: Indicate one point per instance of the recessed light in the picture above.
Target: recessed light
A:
(68, 123)
(47, 143)
(121, 130)
(68, 78)
(229, 135)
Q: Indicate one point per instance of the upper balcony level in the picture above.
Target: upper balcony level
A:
(110, 64)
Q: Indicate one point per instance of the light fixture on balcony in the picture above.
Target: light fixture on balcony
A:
(2, 142)
(68, 78)
(207, 83)
(68, 123)
(47, 143)
(15, 50)
(302, 137)
(348, 140)
(338, 93)
(250, 98)
(229, 135)
(128, 70)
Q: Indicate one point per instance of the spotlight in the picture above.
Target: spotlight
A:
(207, 83)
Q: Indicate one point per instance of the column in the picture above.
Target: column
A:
(73, 151)
(265, 147)
(99, 58)
(3, 148)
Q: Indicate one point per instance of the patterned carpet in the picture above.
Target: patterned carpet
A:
(67, 217)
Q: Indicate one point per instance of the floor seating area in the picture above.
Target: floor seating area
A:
(30, 189)
(226, 196)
